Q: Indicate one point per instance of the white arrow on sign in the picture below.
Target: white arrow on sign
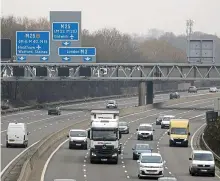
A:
(44, 58)
(21, 58)
(66, 58)
(71, 36)
(66, 43)
(87, 58)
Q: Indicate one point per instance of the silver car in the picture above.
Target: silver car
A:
(192, 89)
(124, 127)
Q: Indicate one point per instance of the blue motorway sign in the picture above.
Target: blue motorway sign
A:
(32, 43)
(87, 59)
(77, 51)
(65, 31)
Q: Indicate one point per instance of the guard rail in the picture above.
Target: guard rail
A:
(217, 157)
(84, 100)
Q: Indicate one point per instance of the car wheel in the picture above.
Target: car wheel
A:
(139, 176)
(85, 147)
(7, 145)
(70, 147)
(138, 138)
(213, 174)
(151, 138)
(134, 157)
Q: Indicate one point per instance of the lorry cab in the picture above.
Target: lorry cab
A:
(179, 132)
(104, 135)
(17, 135)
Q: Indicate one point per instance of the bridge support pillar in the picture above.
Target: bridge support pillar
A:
(141, 93)
(150, 93)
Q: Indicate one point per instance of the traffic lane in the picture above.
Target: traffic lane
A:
(122, 167)
(178, 157)
(129, 165)
(60, 160)
(42, 114)
(48, 127)
(130, 118)
(45, 117)
(41, 129)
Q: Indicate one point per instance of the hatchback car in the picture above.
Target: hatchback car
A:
(112, 104)
(174, 95)
(54, 110)
(145, 131)
(124, 127)
(213, 89)
(192, 89)
(140, 148)
(151, 165)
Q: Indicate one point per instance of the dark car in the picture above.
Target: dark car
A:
(167, 179)
(124, 127)
(140, 148)
(159, 120)
(174, 95)
(54, 111)
(192, 89)
(112, 104)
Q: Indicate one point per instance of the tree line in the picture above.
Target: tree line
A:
(112, 46)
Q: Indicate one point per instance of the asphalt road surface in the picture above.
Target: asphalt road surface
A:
(40, 124)
(75, 164)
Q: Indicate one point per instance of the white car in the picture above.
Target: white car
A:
(202, 162)
(145, 131)
(165, 123)
(77, 138)
(150, 165)
(213, 89)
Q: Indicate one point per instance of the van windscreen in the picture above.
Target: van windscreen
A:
(179, 131)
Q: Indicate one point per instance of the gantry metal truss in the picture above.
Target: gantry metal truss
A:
(115, 71)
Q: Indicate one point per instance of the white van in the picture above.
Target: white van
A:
(17, 135)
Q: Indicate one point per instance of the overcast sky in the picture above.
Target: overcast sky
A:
(127, 15)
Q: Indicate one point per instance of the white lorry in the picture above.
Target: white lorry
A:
(104, 136)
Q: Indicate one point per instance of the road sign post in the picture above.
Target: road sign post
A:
(32, 46)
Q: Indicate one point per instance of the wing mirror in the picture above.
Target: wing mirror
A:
(168, 133)
(190, 158)
(67, 136)
(164, 162)
(132, 148)
(189, 133)
(136, 129)
(153, 129)
(28, 133)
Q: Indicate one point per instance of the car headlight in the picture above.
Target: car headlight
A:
(85, 140)
(115, 154)
(194, 165)
(141, 166)
(93, 154)
(161, 166)
(171, 139)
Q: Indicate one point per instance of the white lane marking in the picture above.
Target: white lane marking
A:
(94, 102)
(50, 157)
(16, 158)
(123, 116)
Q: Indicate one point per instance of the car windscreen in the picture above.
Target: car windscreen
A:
(104, 135)
(78, 134)
(142, 147)
(151, 159)
(111, 102)
(166, 118)
(203, 157)
(179, 131)
(145, 128)
(123, 124)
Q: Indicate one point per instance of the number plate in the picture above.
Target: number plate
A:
(204, 170)
(11, 140)
(78, 144)
(104, 159)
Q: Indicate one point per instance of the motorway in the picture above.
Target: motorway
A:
(75, 164)
(40, 124)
